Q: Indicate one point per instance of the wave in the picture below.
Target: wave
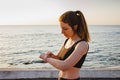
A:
(26, 62)
(28, 52)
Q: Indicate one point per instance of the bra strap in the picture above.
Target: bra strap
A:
(65, 41)
(78, 42)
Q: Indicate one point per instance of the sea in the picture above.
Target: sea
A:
(21, 46)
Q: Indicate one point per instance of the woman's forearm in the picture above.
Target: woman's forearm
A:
(59, 64)
(55, 57)
(54, 61)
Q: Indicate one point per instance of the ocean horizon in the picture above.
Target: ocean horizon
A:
(21, 45)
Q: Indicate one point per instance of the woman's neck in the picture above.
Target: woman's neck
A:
(75, 38)
(71, 41)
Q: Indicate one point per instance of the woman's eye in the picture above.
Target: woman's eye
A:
(65, 29)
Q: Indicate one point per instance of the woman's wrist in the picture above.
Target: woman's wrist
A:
(46, 58)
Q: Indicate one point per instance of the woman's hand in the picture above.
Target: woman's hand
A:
(44, 56)
(50, 54)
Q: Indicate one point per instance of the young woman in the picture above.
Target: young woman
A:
(73, 52)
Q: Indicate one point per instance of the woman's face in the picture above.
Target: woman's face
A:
(66, 30)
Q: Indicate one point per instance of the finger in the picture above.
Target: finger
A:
(42, 55)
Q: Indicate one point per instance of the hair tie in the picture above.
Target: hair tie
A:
(77, 13)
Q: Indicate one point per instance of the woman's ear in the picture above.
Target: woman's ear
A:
(75, 27)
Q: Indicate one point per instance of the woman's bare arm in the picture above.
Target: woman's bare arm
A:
(79, 51)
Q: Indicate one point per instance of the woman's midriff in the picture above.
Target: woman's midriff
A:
(70, 73)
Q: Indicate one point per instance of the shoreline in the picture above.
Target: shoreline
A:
(52, 74)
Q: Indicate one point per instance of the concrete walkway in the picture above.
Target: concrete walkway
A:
(51, 74)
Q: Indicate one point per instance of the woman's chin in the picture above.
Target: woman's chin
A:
(66, 36)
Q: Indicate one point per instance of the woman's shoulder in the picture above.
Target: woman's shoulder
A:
(82, 44)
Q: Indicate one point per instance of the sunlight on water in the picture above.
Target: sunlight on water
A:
(20, 46)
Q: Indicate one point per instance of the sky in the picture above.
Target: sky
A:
(47, 12)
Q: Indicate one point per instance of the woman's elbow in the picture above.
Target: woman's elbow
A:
(64, 67)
